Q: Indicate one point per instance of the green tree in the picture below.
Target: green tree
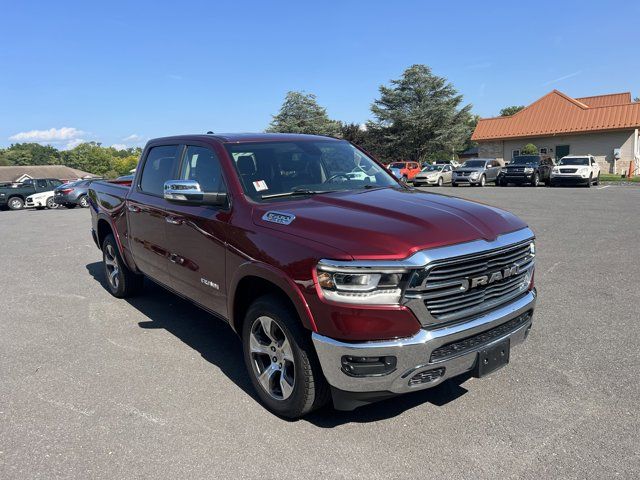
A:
(90, 157)
(31, 154)
(508, 111)
(300, 113)
(419, 115)
(529, 149)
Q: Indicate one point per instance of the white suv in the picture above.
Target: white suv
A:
(576, 170)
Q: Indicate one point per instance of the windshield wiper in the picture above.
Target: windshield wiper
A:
(295, 192)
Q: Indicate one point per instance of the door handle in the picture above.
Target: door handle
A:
(133, 208)
(174, 220)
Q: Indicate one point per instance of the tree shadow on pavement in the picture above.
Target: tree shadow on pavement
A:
(219, 345)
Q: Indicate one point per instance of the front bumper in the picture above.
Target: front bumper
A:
(517, 178)
(467, 179)
(569, 180)
(30, 203)
(415, 355)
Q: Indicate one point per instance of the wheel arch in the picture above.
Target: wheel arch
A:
(252, 281)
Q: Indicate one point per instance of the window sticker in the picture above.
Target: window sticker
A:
(260, 185)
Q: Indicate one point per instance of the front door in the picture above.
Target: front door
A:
(147, 212)
(561, 151)
(196, 235)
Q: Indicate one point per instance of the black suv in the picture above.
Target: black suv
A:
(531, 169)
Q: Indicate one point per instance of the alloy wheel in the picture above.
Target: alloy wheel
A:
(272, 358)
(15, 204)
(112, 267)
(51, 204)
(84, 203)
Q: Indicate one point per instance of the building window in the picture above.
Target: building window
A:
(543, 151)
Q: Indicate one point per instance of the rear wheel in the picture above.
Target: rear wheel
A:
(51, 204)
(15, 203)
(83, 201)
(281, 360)
(121, 281)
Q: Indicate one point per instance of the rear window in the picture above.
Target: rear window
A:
(159, 167)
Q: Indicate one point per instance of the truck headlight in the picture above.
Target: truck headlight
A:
(361, 287)
(528, 170)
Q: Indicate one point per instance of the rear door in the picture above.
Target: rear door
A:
(196, 236)
(147, 211)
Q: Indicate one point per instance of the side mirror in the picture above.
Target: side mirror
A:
(189, 191)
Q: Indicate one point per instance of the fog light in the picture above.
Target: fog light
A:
(368, 366)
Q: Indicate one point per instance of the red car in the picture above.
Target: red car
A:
(405, 170)
(342, 287)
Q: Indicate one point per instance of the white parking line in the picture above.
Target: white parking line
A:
(606, 186)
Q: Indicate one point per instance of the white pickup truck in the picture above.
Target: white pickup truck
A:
(576, 170)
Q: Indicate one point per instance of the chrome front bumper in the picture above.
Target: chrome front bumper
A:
(414, 353)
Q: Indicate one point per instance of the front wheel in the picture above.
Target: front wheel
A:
(536, 180)
(281, 360)
(597, 182)
(16, 203)
(440, 181)
(483, 181)
(83, 201)
(589, 182)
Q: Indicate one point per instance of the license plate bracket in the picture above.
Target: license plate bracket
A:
(492, 358)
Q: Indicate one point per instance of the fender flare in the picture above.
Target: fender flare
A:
(116, 235)
(276, 277)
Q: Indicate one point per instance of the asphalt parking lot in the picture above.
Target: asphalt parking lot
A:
(94, 387)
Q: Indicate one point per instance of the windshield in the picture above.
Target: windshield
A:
(574, 161)
(525, 160)
(432, 168)
(279, 168)
(473, 164)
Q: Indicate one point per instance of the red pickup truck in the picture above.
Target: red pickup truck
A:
(342, 283)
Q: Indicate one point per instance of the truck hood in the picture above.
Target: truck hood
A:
(388, 223)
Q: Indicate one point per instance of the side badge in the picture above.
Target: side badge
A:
(279, 217)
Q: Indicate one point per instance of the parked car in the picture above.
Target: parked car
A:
(576, 170)
(405, 171)
(433, 175)
(338, 290)
(41, 200)
(73, 194)
(476, 172)
(14, 197)
(531, 169)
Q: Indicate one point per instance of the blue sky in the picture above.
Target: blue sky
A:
(123, 72)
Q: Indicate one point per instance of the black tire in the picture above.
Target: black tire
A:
(83, 201)
(589, 181)
(536, 180)
(123, 283)
(440, 181)
(310, 389)
(417, 184)
(70, 205)
(483, 181)
(51, 205)
(454, 184)
(597, 182)
(15, 203)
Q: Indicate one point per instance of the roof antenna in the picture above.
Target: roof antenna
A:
(209, 132)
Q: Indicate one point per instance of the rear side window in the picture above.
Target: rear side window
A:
(202, 165)
(41, 183)
(158, 168)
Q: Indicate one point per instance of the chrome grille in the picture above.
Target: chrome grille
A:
(515, 170)
(568, 170)
(447, 289)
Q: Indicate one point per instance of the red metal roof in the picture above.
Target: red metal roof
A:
(557, 113)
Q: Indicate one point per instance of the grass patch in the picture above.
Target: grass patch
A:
(608, 177)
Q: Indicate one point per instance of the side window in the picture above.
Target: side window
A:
(55, 183)
(158, 168)
(202, 165)
(41, 183)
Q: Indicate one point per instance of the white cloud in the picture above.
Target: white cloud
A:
(74, 142)
(51, 135)
(134, 137)
(119, 146)
(564, 77)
